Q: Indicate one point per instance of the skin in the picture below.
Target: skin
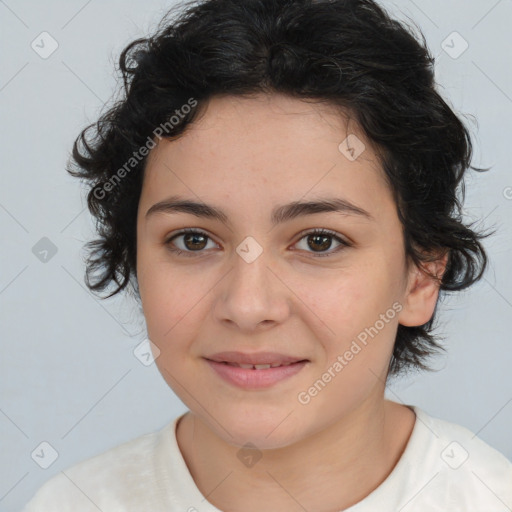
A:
(246, 156)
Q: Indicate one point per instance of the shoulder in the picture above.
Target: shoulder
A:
(461, 448)
(117, 476)
(463, 470)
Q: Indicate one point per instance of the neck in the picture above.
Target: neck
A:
(329, 471)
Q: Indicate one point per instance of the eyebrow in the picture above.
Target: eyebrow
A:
(280, 214)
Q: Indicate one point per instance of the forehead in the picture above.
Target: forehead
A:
(268, 147)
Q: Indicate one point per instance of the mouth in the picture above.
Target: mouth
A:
(255, 360)
(256, 376)
(260, 366)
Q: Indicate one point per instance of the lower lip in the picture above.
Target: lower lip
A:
(249, 378)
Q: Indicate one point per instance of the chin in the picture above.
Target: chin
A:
(265, 430)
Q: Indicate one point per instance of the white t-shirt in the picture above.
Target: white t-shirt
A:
(444, 468)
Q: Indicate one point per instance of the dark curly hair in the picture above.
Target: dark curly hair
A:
(347, 53)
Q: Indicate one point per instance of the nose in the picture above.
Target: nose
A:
(252, 296)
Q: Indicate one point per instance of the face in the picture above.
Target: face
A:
(251, 281)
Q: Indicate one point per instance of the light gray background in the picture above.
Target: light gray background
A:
(68, 373)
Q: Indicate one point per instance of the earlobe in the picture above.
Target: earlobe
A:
(422, 292)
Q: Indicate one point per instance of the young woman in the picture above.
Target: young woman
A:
(279, 188)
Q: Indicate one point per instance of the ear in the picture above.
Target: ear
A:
(422, 292)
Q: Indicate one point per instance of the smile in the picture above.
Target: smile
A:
(255, 376)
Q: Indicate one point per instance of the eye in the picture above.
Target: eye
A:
(322, 239)
(194, 241)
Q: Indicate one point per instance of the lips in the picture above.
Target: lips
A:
(257, 360)
(256, 377)
(257, 366)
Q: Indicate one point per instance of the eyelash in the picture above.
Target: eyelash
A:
(318, 231)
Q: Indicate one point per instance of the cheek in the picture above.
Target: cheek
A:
(348, 300)
(358, 309)
(167, 313)
(168, 295)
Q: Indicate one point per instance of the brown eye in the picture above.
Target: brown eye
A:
(188, 242)
(194, 241)
(319, 241)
